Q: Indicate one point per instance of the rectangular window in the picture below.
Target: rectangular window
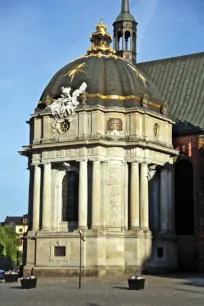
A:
(20, 230)
(24, 220)
(60, 251)
(160, 252)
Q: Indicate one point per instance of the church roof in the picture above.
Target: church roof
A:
(180, 80)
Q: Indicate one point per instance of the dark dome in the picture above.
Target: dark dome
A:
(111, 80)
(105, 76)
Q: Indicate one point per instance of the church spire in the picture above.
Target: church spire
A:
(125, 6)
(125, 34)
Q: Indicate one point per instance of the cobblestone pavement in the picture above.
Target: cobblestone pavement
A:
(106, 291)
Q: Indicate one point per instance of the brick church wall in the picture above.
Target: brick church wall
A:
(191, 249)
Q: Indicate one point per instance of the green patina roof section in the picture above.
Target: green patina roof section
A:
(180, 80)
(125, 17)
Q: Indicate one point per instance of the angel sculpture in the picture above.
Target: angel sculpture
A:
(65, 106)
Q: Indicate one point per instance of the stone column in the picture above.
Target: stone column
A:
(30, 197)
(36, 198)
(83, 195)
(123, 42)
(134, 196)
(144, 197)
(170, 199)
(46, 206)
(96, 194)
(163, 199)
(131, 36)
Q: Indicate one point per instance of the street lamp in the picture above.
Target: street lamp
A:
(81, 237)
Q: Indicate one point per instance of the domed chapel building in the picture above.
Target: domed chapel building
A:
(101, 160)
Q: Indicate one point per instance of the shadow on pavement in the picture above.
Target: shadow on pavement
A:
(123, 288)
(195, 283)
(16, 287)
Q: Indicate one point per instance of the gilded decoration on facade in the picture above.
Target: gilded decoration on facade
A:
(121, 98)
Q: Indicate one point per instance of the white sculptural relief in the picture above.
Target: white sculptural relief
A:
(115, 133)
(64, 107)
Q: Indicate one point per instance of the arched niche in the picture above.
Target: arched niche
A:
(184, 197)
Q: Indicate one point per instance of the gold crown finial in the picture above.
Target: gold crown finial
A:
(101, 27)
(101, 40)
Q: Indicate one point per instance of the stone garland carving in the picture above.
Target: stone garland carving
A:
(114, 208)
(114, 196)
(63, 108)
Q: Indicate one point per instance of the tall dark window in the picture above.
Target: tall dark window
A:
(184, 199)
(70, 186)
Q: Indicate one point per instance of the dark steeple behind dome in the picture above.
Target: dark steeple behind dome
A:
(125, 12)
(125, 6)
(125, 34)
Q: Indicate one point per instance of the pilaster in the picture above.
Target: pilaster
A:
(144, 197)
(134, 196)
(96, 194)
(83, 194)
(46, 207)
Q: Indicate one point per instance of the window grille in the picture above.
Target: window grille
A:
(60, 251)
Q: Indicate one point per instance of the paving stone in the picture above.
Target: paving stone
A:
(159, 291)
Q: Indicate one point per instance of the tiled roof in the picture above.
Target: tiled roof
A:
(14, 220)
(180, 80)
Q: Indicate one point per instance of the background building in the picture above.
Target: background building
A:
(21, 226)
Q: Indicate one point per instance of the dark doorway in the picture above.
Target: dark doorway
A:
(184, 199)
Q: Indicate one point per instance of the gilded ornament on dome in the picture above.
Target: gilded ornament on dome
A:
(101, 41)
(78, 69)
(139, 75)
(115, 124)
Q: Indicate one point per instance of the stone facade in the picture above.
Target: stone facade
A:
(125, 183)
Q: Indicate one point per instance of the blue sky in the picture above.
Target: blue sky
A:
(38, 37)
